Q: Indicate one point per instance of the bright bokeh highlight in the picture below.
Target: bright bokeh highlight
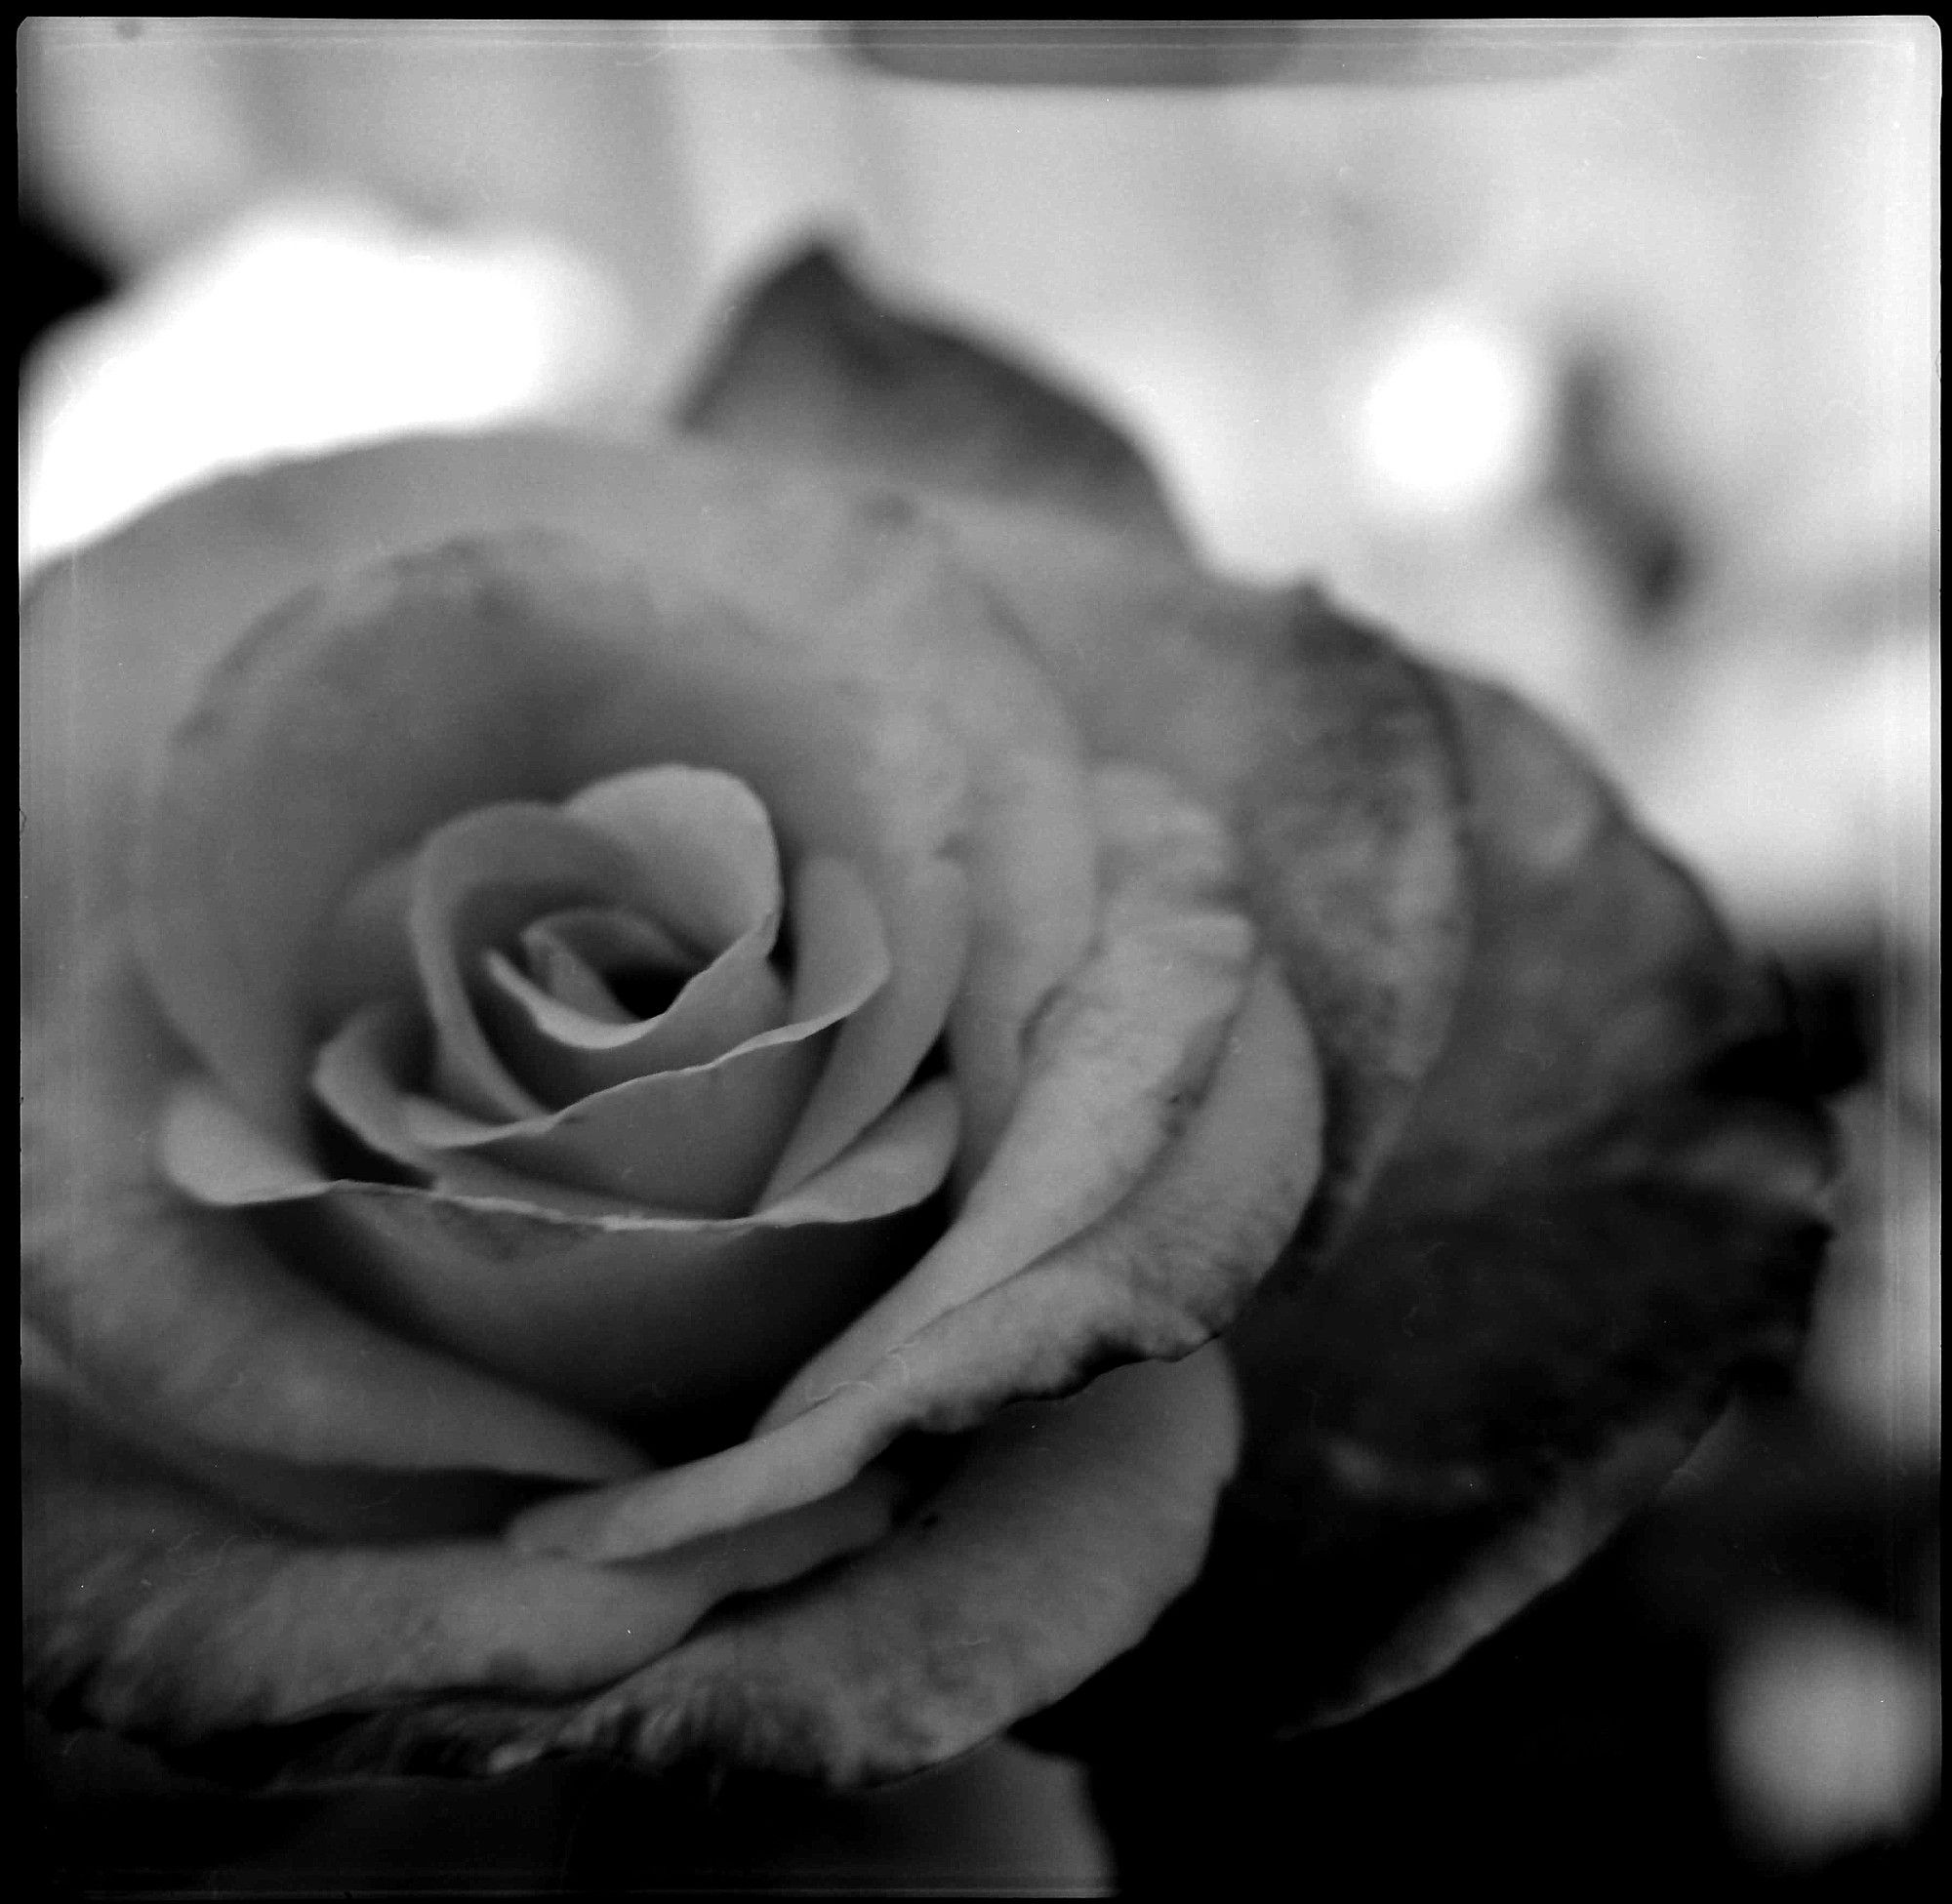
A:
(1453, 419)
(302, 327)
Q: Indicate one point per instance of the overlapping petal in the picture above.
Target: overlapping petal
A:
(698, 1139)
(608, 1308)
(1420, 985)
(191, 1322)
(1171, 1264)
(162, 1611)
(173, 1614)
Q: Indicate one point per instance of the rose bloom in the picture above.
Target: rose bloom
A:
(745, 1099)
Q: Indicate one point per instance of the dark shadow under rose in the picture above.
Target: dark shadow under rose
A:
(1263, 957)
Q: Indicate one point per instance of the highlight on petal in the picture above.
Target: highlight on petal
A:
(1118, 1052)
(1328, 750)
(611, 1310)
(1170, 1265)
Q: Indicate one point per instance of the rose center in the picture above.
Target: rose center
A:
(597, 998)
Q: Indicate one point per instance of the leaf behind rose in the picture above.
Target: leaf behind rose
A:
(811, 365)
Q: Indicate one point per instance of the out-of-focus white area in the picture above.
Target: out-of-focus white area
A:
(1621, 386)
(1453, 420)
(1346, 319)
(299, 326)
(1832, 1735)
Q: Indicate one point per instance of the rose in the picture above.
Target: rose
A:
(359, 1312)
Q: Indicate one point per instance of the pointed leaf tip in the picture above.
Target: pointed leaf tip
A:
(817, 366)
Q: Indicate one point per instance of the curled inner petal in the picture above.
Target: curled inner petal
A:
(476, 881)
(568, 1029)
(1162, 1272)
(701, 1139)
(547, 1072)
(584, 957)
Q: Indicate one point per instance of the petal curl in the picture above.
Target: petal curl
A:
(1028, 847)
(1167, 1267)
(1124, 1046)
(1329, 751)
(362, 718)
(698, 1140)
(159, 1611)
(604, 1306)
(690, 851)
(186, 1319)
(568, 957)
(1052, 1546)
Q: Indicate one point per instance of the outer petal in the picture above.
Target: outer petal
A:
(1061, 1532)
(1609, 1206)
(158, 1610)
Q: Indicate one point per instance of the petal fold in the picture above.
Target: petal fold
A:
(364, 717)
(184, 1315)
(605, 1308)
(1119, 1051)
(1159, 1276)
(1060, 1533)
(163, 1612)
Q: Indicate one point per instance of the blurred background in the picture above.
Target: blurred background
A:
(1600, 358)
